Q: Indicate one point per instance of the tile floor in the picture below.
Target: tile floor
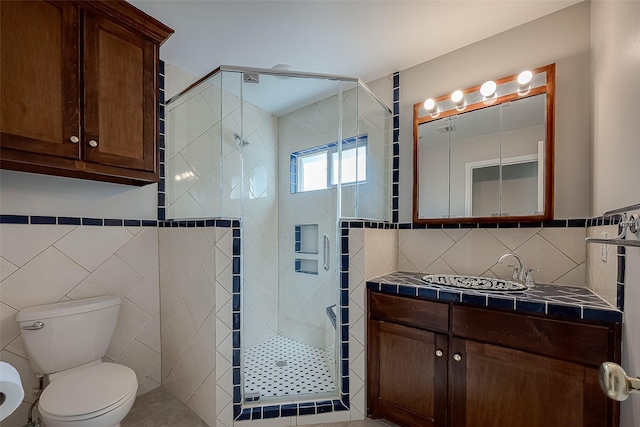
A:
(283, 367)
(159, 408)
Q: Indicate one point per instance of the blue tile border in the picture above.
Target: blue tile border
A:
(395, 159)
(561, 301)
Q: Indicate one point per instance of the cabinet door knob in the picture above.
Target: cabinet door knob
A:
(439, 353)
(457, 357)
(74, 139)
(93, 143)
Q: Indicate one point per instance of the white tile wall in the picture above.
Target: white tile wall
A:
(559, 253)
(602, 275)
(43, 264)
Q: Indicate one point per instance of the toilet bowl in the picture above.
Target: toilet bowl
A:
(97, 396)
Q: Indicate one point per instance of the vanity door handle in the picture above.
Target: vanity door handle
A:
(93, 143)
(74, 139)
(457, 357)
(615, 382)
(439, 353)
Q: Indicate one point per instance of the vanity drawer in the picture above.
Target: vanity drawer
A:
(421, 314)
(572, 341)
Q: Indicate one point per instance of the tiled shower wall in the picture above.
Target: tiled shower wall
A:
(43, 264)
(559, 252)
(304, 297)
(372, 253)
(205, 164)
(196, 291)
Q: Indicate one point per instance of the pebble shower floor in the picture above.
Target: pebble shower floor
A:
(305, 370)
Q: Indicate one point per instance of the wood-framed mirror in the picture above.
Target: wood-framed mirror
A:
(486, 153)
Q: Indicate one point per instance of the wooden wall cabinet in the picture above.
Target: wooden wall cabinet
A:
(79, 90)
(442, 364)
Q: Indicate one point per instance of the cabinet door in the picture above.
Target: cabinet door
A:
(494, 386)
(119, 96)
(39, 79)
(407, 380)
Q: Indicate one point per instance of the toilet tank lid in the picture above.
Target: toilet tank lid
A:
(66, 308)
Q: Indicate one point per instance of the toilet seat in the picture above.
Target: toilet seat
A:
(88, 393)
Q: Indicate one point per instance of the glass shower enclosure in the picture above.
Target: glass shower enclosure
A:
(290, 154)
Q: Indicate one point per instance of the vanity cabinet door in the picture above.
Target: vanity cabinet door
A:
(493, 386)
(39, 80)
(119, 94)
(407, 374)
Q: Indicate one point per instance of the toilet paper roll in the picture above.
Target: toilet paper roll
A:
(11, 392)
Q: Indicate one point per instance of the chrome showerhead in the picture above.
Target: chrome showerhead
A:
(241, 142)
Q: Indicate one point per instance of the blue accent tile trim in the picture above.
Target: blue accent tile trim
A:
(92, 221)
(44, 220)
(113, 222)
(132, 223)
(69, 220)
(564, 301)
(289, 410)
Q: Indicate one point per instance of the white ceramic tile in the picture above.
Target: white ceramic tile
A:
(195, 116)
(203, 349)
(174, 287)
(575, 277)
(181, 328)
(200, 299)
(194, 250)
(140, 358)
(131, 321)
(206, 194)
(20, 243)
(9, 329)
(43, 280)
(206, 394)
(569, 240)
(423, 247)
(91, 246)
(222, 399)
(114, 277)
(539, 253)
(513, 237)
(186, 376)
(146, 294)
(170, 240)
(146, 385)
(150, 335)
(155, 373)
(141, 252)
(474, 253)
(439, 267)
(202, 154)
(17, 347)
(6, 269)
(179, 177)
(170, 355)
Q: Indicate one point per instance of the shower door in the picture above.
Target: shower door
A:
(290, 128)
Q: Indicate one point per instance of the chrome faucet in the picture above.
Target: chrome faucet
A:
(518, 270)
(521, 273)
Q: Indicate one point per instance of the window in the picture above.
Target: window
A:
(317, 168)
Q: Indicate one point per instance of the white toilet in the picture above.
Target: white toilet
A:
(67, 342)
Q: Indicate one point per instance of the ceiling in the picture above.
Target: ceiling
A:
(365, 39)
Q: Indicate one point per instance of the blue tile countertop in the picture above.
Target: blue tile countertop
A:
(556, 300)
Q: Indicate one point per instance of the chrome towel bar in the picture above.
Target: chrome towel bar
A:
(631, 223)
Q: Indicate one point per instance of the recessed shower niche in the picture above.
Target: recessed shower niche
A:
(229, 154)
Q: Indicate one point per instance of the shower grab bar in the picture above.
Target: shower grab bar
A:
(325, 252)
(632, 224)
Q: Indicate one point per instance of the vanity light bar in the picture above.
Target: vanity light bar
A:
(519, 84)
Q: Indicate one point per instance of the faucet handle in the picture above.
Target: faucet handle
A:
(528, 281)
(516, 272)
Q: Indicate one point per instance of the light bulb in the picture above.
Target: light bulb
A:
(488, 88)
(457, 97)
(524, 78)
(430, 105)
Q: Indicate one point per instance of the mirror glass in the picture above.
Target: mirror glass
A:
(487, 161)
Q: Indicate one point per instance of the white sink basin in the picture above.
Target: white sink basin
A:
(474, 283)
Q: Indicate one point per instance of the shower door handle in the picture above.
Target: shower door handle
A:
(325, 252)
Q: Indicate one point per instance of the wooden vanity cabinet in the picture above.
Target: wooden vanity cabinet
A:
(79, 89)
(497, 369)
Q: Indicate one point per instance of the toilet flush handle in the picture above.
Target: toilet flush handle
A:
(34, 327)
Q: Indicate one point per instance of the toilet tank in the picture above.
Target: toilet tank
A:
(68, 334)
